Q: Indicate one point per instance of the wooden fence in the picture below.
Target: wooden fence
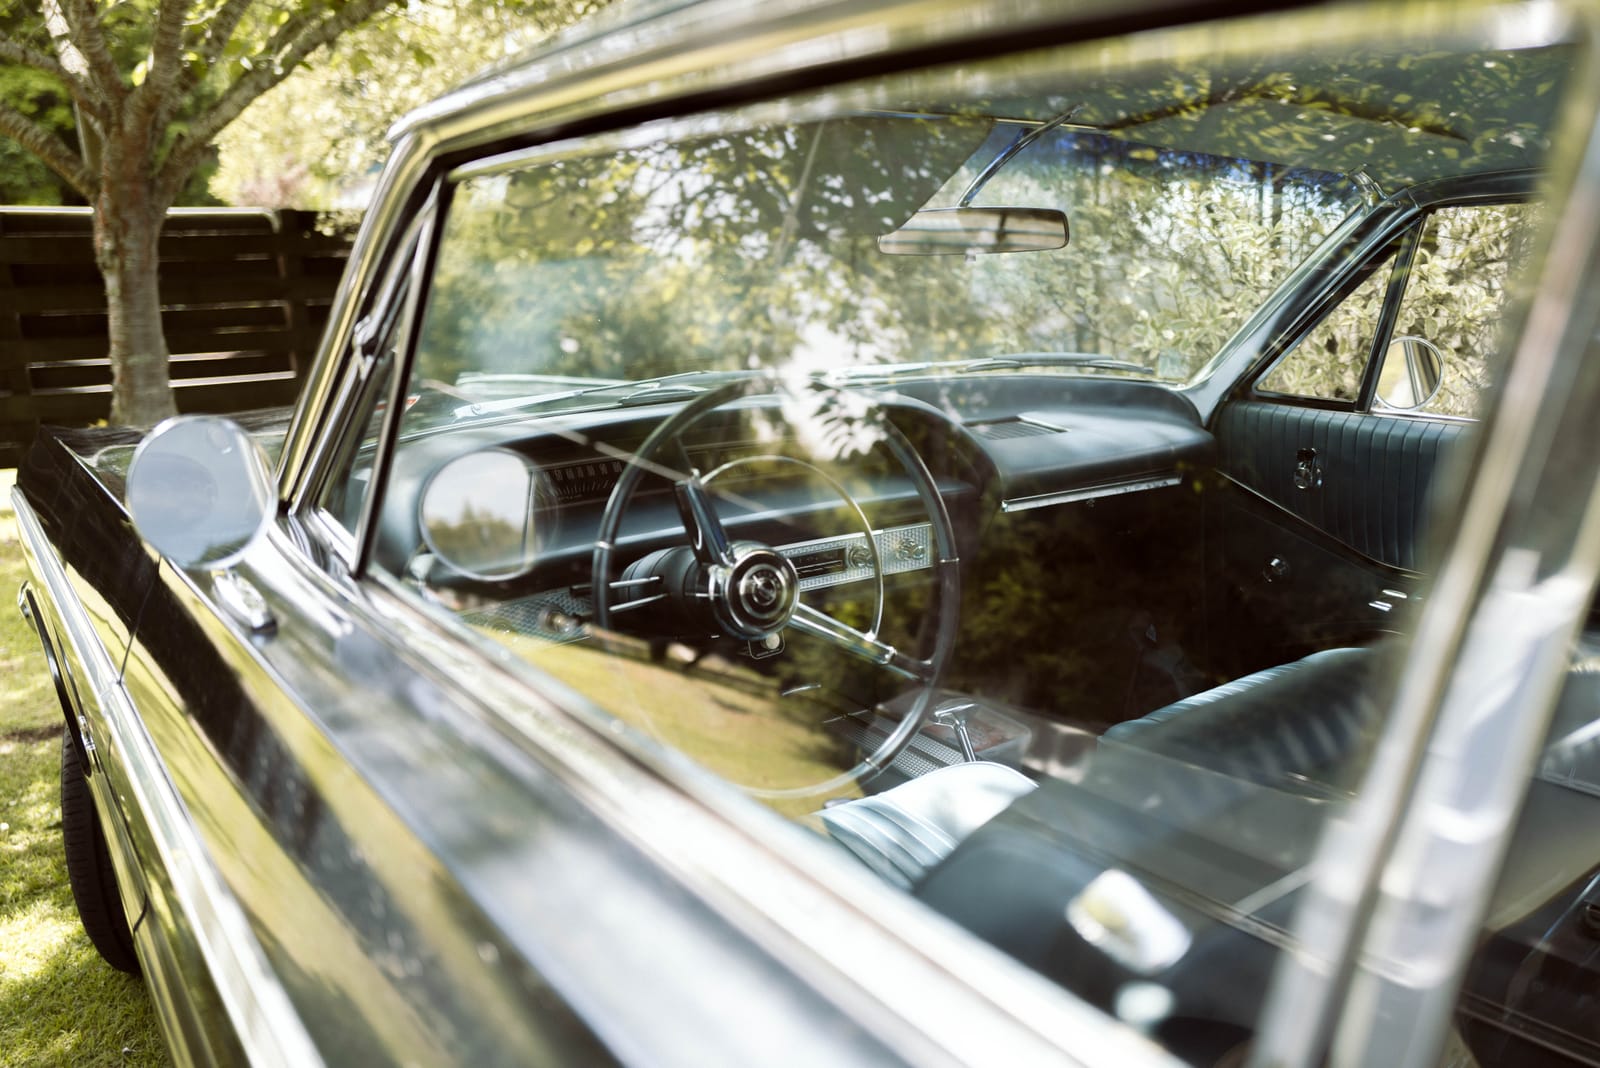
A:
(245, 294)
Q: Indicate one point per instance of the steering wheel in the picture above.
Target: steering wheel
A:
(751, 591)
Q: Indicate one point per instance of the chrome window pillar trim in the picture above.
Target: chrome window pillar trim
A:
(259, 1010)
(1379, 921)
(305, 446)
(409, 329)
(349, 384)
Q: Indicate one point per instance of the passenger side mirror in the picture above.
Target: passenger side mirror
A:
(1413, 368)
(199, 490)
(477, 514)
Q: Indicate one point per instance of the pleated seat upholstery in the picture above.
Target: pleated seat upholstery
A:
(1296, 725)
(903, 832)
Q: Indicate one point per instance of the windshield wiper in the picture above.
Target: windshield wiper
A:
(862, 372)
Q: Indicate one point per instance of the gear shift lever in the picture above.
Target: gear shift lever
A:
(954, 716)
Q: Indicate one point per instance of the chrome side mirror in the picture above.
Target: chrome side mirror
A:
(199, 491)
(1413, 368)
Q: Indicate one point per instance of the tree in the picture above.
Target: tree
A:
(152, 83)
(311, 141)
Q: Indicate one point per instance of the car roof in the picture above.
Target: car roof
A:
(1401, 117)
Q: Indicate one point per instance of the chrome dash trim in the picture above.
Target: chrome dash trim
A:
(258, 1007)
(902, 549)
(1088, 493)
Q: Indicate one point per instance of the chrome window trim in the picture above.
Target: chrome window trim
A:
(305, 444)
(259, 1010)
(408, 268)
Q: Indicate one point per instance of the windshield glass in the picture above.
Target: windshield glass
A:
(761, 248)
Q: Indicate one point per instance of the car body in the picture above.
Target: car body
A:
(983, 533)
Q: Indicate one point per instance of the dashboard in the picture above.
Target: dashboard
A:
(840, 514)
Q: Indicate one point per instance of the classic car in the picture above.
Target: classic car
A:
(834, 533)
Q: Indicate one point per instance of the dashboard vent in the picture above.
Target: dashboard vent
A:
(1014, 428)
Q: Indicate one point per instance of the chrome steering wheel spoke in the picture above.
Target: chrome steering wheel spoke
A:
(868, 647)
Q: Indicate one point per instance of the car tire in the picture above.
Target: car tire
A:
(89, 871)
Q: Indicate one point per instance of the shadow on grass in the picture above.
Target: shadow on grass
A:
(28, 735)
(60, 1004)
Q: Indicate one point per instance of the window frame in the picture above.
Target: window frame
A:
(1510, 187)
(368, 378)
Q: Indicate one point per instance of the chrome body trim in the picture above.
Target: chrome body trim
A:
(259, 1011)
(1088, 493)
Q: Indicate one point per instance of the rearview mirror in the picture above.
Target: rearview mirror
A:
(199, 491)
(968, 231)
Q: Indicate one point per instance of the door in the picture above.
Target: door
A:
(1329, 455)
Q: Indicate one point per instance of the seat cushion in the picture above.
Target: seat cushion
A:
(1294, 726)
(903, 832)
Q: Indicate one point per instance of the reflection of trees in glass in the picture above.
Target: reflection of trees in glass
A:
(1329, 361)
(1458, 290)
(1466, 272)
(480, 540)
(760, 248)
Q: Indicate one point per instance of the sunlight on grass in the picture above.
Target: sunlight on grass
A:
(725, 717)
(60, 1004)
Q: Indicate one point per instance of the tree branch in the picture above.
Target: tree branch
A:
(17, 52)
(50, 149)
(90, 39)
(287, 49)
(152, 98)
(219, 30)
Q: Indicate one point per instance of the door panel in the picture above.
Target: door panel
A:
(1361, 479)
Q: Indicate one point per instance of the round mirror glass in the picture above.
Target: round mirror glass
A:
(477, 514)
(1412, 370)
(199, 491)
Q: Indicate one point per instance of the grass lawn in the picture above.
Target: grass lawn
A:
(60, 1004)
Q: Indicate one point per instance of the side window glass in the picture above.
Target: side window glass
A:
(1329, 361)
(1443, 351)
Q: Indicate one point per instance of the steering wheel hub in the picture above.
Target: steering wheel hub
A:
(756, 595)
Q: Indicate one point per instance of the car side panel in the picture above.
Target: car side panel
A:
(335, 890)
(83, 519)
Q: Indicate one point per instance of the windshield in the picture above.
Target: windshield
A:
(762, 248)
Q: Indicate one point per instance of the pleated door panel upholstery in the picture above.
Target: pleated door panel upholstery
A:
(1369, 474)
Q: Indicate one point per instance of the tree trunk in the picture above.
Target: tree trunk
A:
(127, 233)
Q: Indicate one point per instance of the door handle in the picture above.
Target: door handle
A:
(1307, 470)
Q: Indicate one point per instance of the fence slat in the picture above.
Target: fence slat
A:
(245, 296)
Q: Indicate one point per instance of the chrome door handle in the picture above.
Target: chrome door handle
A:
(1307, 471)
